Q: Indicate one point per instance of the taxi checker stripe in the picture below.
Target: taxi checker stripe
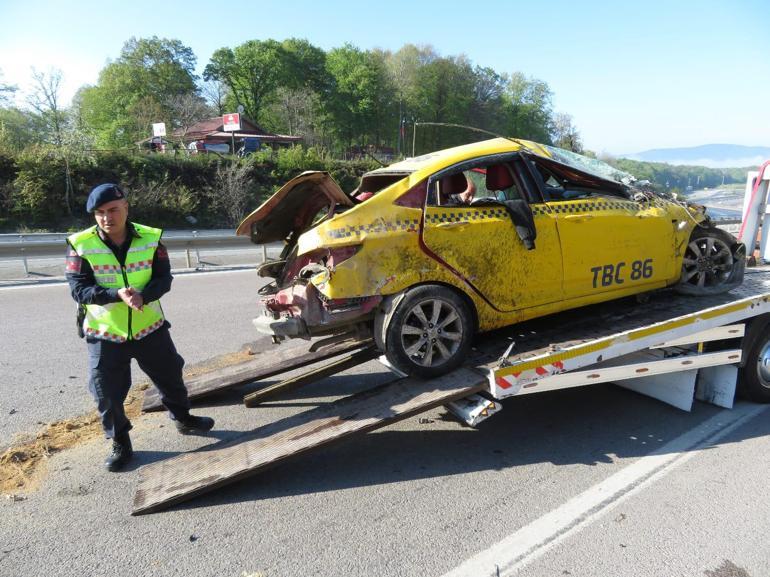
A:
(409, 225)
(499, 213)
(559, 207)
(460, 215)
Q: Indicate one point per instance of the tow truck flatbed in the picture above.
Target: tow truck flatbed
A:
(618, 340)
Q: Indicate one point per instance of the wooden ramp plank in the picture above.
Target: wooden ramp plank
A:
(183, 477)
(267, 364)
(294, 383)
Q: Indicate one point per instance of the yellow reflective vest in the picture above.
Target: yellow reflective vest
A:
(117, 322)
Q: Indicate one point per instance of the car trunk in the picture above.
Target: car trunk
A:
(300, 204)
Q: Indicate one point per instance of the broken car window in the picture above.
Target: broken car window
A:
(561, 183)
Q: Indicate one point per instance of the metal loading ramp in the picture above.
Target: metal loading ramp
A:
(185, 476)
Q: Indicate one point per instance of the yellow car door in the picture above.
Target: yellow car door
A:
(609, 242)
(612, 244)
(478, 241)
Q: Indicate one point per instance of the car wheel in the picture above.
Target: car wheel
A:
(754, 378)
(709, 265)
(430, 332)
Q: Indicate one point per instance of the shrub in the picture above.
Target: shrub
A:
(163, 189)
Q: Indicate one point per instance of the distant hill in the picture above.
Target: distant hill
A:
(711, 155)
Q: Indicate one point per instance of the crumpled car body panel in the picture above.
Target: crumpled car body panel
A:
(595, 238)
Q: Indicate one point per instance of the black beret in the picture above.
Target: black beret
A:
(103, 193)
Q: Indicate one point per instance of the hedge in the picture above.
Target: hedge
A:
(168, 190)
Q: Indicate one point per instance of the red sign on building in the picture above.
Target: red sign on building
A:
(231, 122)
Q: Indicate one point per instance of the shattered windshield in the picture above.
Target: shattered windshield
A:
(590, 165)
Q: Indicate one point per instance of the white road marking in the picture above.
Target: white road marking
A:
(530, 542)
(32, 286)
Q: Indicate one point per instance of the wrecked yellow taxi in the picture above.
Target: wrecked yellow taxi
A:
(428, 252)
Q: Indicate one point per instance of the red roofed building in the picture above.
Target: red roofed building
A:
(211, 131)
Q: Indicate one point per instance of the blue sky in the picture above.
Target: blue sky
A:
(633, 75)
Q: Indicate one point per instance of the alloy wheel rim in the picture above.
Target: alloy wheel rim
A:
(432, 332)
(707, 262)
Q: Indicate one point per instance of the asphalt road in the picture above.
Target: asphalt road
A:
(586, 482)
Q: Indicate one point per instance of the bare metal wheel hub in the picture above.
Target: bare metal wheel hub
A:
(432, 332)
(763, 365)
(705, 264)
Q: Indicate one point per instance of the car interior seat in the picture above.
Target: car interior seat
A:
(499, 178)
(450, 185)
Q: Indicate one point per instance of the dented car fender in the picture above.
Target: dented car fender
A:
(382, 318)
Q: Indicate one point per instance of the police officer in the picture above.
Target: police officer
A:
(117, 271)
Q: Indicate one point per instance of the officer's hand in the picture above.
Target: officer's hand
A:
(131, 297)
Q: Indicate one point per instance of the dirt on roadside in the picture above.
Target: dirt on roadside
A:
(23, 466)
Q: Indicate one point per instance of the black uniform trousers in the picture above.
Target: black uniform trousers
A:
(109, 366)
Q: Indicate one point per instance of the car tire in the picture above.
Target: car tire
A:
(754, 376)
(712, 263)
(430, 332)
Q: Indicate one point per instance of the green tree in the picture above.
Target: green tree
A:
(402, 69)
(304, 66)
(295, 106)
(361, 97)
(528, 108)
(444, 94)
(134, 91)
(252, 72)
(488, 89)
(19, 129)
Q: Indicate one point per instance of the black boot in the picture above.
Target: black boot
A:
(121, 453)
(191, 425)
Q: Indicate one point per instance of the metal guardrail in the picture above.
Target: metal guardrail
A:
(24, 246)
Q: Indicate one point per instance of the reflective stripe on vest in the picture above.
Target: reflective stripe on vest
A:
(116, 322)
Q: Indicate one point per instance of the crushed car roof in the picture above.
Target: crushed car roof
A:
(590, 165)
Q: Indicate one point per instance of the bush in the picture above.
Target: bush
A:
(163, 189)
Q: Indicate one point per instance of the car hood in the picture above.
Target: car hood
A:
(303, 201)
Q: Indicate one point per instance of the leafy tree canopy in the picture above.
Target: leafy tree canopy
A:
(134, 91)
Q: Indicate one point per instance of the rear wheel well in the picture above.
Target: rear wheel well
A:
(391, 301)
(427, 330)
